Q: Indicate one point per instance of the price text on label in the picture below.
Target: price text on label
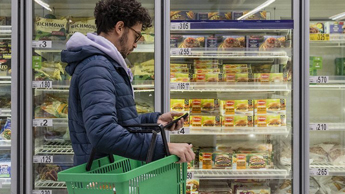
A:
(190, 175)
(319, 127)
(42, 192)
(42, 84)
(43, 159)
(319, 37)
(42, 123)
(319, 172)
(180, 26)
(319, 79)
(181, 51)
(42, 44)
(183, 131)
(179, 86)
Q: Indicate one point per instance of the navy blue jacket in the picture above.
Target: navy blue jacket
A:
(100, 101)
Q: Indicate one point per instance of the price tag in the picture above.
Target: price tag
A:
(42, 192)
(319, 37)
(42, 123)
(42, 84)
(181, 51)
(318, 127)
(183, 131)
(319, 172)
(43, 159)
(319, 79)
(180, 86)
(42, 44)
(180, 26)
(190, 175)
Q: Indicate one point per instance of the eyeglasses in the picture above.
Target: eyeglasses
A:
(138, 35)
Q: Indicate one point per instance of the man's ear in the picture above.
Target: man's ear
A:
(119, 28)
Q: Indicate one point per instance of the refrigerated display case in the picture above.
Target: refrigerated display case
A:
(233, 66)
(49, 149)
(326, 97)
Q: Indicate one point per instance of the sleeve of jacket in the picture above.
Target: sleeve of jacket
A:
(149, 117)
(98, 100)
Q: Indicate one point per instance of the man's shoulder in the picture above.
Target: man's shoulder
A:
(96, 61)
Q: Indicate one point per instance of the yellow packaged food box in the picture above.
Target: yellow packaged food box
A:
(212, 77)
(243, 121)
(195, 105)
(206, 62)
(271, 120)
(264, 106)
(176, 66)
(231, 107)
(235, 68)
(262, 77)
(276, 77)
(205, 66)
(82, 25)
(208, 121)
(179, 70)
(229, 77)
(239, 161)
(228, 121)
(179, 77)
(177, 105)
(242, 77)
(200, 77)
(258, 160)
(207, 105)
(210, 70)
(196, 121)
(192, 186)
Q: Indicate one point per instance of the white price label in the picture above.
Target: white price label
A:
(319, 79)
(42, 123)
(319, 172)
(190, 175)
(42, 44)
(179, 86)
(180, 26)
(319, 127)
(184, 130)
(181, 51)
(43, 159)
(42, 192)
(42, 84)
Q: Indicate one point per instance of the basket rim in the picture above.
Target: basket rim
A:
(82, 176)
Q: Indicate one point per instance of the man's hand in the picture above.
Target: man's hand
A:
(183, 151)
(168, 117)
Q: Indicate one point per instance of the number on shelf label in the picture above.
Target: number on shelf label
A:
(181, 51)
(190, 175)
(42, 44)
(42, 192)
(42, 84)
(319, 37)
(319, 127)
(179, 86)
(42, 123)
(180, 26)
(319, 79)
(43, 159)
(184, 130)
(319, 172)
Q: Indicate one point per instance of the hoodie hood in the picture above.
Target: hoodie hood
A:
(80, 47)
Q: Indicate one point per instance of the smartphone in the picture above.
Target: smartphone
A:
(176, 120)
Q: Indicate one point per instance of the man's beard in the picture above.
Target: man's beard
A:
(123, 40)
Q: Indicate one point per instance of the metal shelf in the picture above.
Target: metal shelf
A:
(58, 46)
(334, 83)
(48, 184)
(334, 170)
(53, 191)
(236, 131)
(6, 112)
(240, 174)
(5, 144)
(62, 152)
(235, 87)
(332, 126)
(5, 183)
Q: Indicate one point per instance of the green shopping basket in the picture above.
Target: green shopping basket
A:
(127, 176)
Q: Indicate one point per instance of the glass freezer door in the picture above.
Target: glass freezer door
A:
(51, 149)
(231, 68)
(5, 96)
(327, 96)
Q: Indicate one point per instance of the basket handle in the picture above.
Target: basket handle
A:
(154, 129)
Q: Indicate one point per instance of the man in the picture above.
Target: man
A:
(101, 94)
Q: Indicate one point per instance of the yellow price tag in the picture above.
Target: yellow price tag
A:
(319, 37)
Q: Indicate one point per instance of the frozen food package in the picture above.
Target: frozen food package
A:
(206, 77)
(318, 153)
(254, 190)
(205, 63)
(187, 41)
(258, 161)
(261, 15)
(221, 160)
(229, 42)
(239, 161)
(270, 120)
(242, 77)
(192, 186)
(214, 15)
(50, 29)
(269, 77)
(267, 106)
(231, 107)
(316, 27)
(285, 153)
(5, 168)
(179, 77)
(272, 42)
(285, 187)
(196, 121)
(254, 42)
(235, 68)
(337, 155)
(195, 105)
(207, 71)
(6, 130)
(207, 105)
(335, 27)
(183, 15)
(209, 121)
(82, 25)
(177, 105)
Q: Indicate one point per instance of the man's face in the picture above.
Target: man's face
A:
(128, 41)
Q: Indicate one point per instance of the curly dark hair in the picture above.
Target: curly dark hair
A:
(109, 12)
